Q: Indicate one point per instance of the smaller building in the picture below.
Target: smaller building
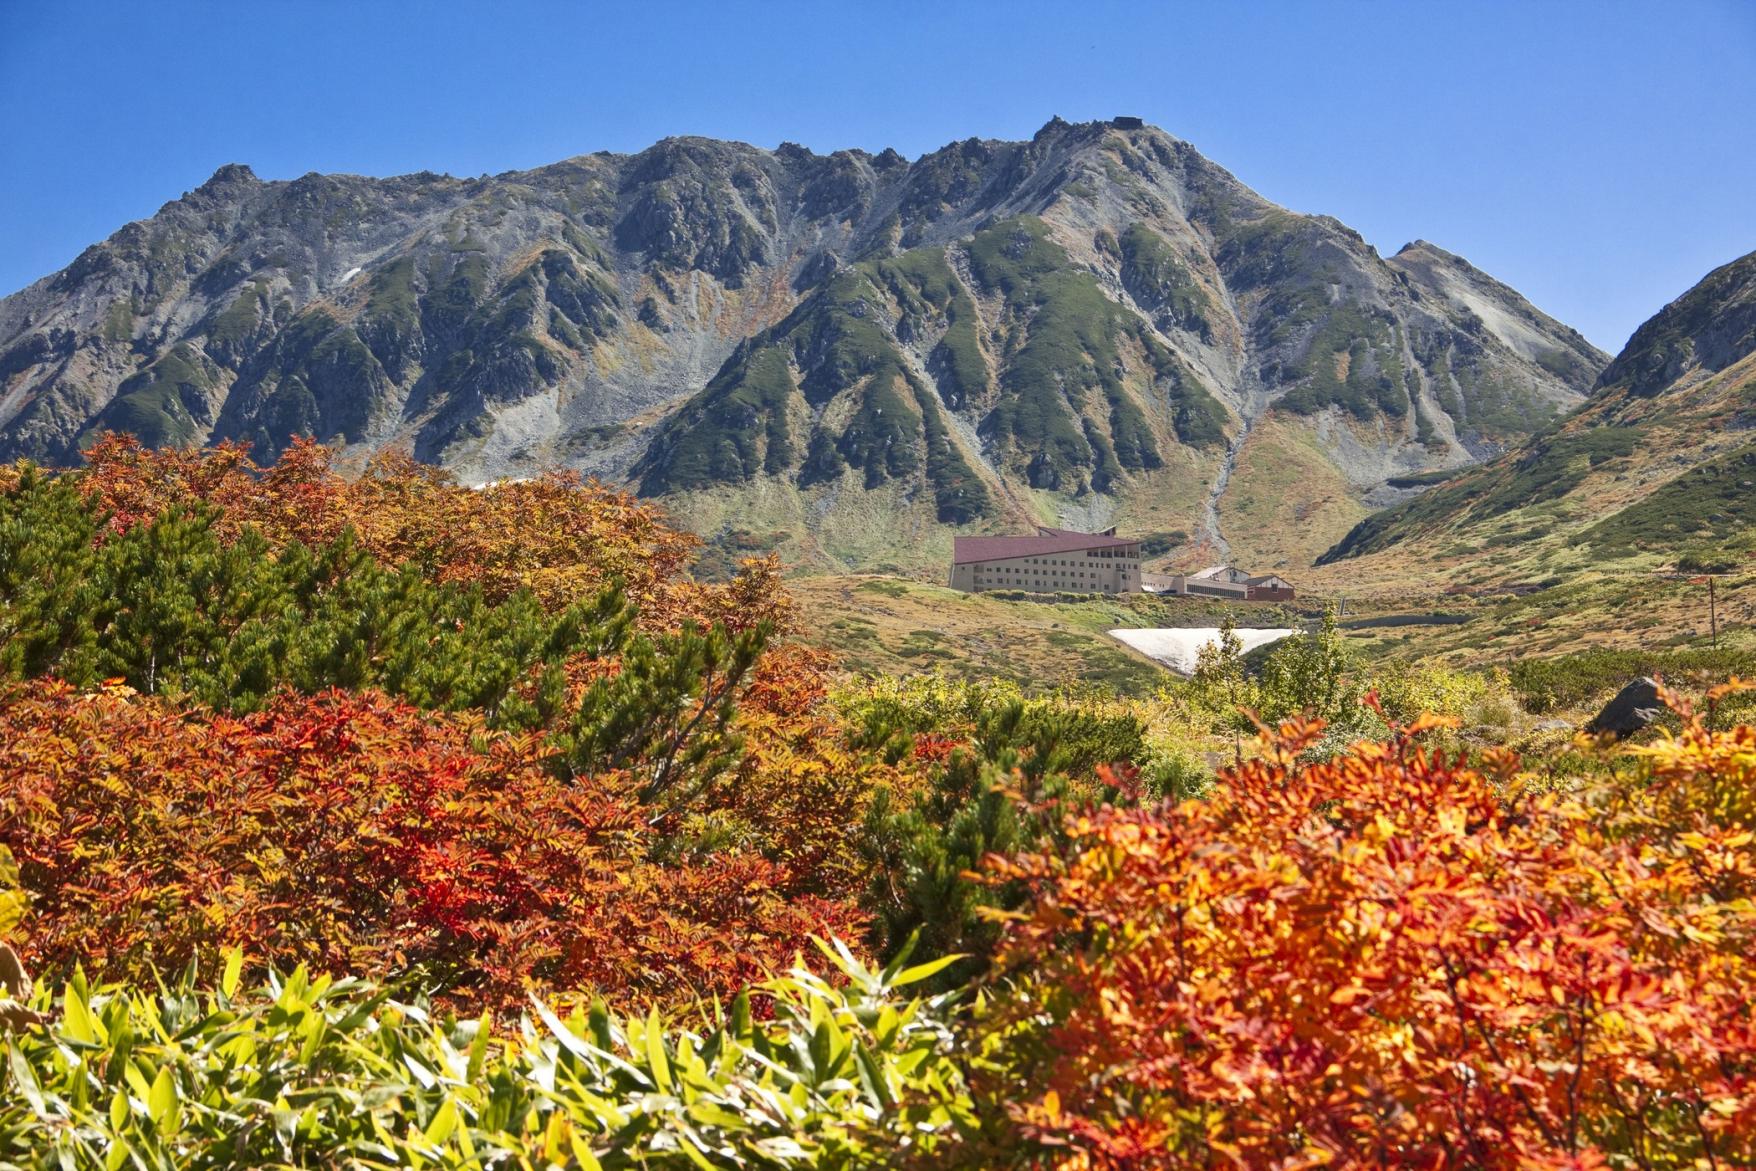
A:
(1216, 581)
(1222, 575)
(1269, 587)
(1224, 581)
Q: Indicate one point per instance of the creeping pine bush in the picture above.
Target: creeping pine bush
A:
(170, 608)
(557, 536)
(981, 770)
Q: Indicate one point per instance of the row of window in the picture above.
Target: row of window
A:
(1025, 584)
(1041, 572)
(1059, 561)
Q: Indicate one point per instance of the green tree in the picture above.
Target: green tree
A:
(666, 710)
(1222, 687)
(169, 608)
(1316, 673)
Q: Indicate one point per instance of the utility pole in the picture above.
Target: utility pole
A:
(1713, 611)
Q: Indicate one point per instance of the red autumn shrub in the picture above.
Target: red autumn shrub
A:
(775, 827)
(1394, 960)
(362, 835)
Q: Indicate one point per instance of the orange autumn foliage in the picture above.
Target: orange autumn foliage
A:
(358, 834)
(1392, 959)
(560, 536)
(799, 792)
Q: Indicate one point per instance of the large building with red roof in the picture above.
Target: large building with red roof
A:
(1052, 561)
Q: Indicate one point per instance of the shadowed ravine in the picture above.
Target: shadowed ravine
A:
(1210, 508)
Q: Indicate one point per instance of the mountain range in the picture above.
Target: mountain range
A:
(846, 357)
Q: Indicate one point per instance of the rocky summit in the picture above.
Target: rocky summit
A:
(847, 357)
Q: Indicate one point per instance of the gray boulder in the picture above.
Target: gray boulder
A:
(1635, 707)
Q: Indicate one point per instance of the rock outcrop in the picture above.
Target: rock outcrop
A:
(1633, 709)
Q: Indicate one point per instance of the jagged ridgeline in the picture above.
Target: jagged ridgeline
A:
(846, 354)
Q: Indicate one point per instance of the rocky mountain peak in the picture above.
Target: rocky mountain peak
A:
(1657, 460)
(1491, 306)
(1097, 321)
(230, 175)
(1708, 328)
(1054, 126)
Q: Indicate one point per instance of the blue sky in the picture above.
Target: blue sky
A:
(1599, 157)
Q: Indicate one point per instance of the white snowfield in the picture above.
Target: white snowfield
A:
(1178, 647)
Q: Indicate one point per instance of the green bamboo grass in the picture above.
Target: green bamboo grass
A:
(307, 1072)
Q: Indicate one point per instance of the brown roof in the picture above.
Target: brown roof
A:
(1051, 541)
(1047, 531)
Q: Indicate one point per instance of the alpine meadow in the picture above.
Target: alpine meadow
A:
(1024, 654)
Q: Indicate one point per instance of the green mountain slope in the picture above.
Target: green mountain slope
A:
(870, 378)
(1659, 466)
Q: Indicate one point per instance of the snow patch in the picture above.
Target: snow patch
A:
(1179, 647)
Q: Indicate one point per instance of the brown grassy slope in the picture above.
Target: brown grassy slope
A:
(1635, 611)
(1286, 501)
(888, 625)
(1624, 449)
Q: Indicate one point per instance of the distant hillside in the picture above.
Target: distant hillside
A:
(846, 356)
(1658, 467)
